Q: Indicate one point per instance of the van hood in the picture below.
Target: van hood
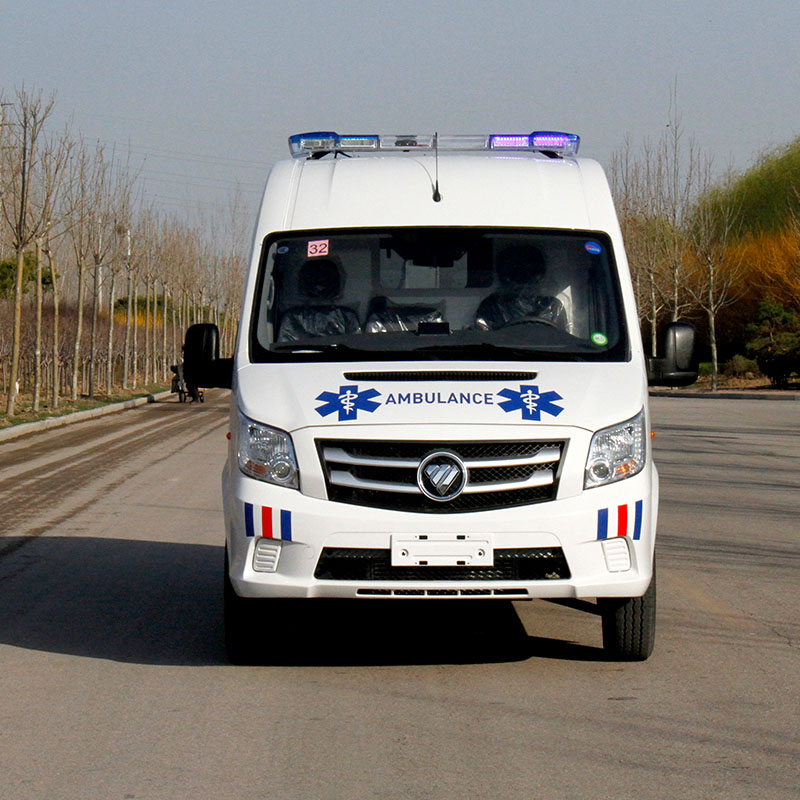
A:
(584, 395)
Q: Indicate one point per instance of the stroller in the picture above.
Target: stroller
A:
(182, 389)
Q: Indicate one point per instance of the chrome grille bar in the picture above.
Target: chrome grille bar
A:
(337, 455)
(542, 477)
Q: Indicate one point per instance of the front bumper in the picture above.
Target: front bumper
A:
(606, 536)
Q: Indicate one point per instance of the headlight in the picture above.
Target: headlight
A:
(266, 453)
(616, 453)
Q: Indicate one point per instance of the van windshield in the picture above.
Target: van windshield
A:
(440, 293)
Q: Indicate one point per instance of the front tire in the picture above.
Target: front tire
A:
(629, 624)
(238, 614)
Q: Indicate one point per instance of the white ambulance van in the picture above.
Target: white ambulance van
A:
(439, 388)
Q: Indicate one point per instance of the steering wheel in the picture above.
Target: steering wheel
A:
(529, 319)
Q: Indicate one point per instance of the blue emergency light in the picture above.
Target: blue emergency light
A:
(318, 143)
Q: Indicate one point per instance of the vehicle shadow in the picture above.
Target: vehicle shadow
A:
(150, 602)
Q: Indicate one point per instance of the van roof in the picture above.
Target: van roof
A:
(519, 189)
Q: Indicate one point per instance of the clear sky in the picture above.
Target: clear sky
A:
(206, 93)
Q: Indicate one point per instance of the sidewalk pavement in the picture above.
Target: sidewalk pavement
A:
(79, 416)
(730, 394)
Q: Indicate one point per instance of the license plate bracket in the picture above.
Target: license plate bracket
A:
(442, 550)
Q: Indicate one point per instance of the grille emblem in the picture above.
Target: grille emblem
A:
(442, 476)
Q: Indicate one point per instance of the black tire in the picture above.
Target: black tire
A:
(181, 397)
(238, 614)
(629, 624)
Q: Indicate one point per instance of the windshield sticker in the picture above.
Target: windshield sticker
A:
(600, 339)
(349, 400)
(595, 248)
(283, 250)
(531, 402)
(320, 247)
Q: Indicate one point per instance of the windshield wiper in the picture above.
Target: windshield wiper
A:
(299, 347)
(499, 351)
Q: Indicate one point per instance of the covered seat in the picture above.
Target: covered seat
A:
(520, 271)
(318, 280)
(387, 317)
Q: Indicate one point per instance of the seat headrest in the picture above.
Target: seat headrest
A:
(319, 278)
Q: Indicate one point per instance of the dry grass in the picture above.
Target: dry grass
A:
(24, 407)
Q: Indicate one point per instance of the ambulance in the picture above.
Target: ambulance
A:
(439, 388)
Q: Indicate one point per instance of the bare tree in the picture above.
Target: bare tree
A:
(27, 197)
(716, 269)
(54, 163)
(635, 182)
(56, 349)
(655, 191)
(677, 185)
(88, 168)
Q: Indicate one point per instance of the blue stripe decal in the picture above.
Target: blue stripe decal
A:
(637, 524)
(602, 523)
(248, 519)
(286, 525)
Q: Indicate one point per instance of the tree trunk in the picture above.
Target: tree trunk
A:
(153, 342)
(37, 351)
(126, 358)
(174, 332)
(146, 330)
(712, 327)
(163, 332)
(653, 318)
(76, 354)
(56, 344)
(93, 338)
(110, 359)
(15, 347)
(135, 336)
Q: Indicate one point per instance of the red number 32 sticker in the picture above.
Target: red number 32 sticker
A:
(318, 248)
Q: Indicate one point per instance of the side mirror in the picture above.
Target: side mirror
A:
(678, 366)
(202, 366)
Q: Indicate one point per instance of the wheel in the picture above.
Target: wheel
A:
(238, 614)
(181, 397)
(629, 624)
(258, 630)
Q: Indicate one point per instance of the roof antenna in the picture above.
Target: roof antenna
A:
(436, 196)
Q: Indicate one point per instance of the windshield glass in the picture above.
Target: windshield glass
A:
(444, 293)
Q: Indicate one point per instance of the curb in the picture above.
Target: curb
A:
(731, 394)
(79, 416)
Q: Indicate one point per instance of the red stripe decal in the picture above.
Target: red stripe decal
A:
(622, 520)
(266, 521)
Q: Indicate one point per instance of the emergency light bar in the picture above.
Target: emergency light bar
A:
(318, 143)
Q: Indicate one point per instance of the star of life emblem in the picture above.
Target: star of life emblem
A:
(347, 402)
(531, 402)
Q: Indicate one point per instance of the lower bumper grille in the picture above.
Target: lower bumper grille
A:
(364, 564)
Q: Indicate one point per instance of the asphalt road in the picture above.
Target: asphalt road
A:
(114, 683)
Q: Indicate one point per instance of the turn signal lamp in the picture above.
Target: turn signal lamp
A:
(319, 143)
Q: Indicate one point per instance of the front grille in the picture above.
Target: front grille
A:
(367, 564)
(383, 474)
